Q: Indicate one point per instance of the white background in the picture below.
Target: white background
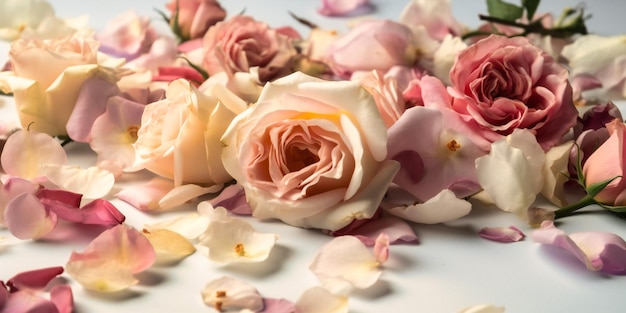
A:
(450, 269)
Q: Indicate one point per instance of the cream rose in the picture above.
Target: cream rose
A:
(179, 137)
(310, 152)
(46, 78)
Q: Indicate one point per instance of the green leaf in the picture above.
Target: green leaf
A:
(616, 209)
(504, 10)
(163, 15)
(200, 70)
(594, 189)
(531, 7)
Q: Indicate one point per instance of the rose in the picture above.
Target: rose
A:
(179, 137)
(194, 17)
(386, 43)
(127, 35)
(500, 84)
(310, 152)
(242, 43)
(45, 99)
(608, 162)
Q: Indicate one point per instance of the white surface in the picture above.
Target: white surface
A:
(450, 269)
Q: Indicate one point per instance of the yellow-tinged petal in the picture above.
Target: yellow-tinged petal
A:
(168, 245)
(93, 182)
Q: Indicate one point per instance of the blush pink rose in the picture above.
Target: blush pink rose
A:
(242, 44)
(310, 153)
(607, 162)
(372, 45)
(195, 17)
(500, 84)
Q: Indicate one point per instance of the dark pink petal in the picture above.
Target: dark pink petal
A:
(4, 295)
(397, 229)
(58, 195)
(171, 73)
(502, 234)
(278, 306)
(233, 198)
(90, 104)
(599, 251)
(28, 302)
(61, 296)
(97, 212)
(35, 279)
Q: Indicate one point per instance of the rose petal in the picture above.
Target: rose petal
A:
(443, 207)
(110, 260)
(25, 152)
(396, 229)
(227, 293)
(169, 246)
(61, 296)
(27, 218)
(233, 198)
(601, 251)
(28, 301)
(10, 189)
(35, 279)
(235, 240)
(483, 308)
(93, 182)
(320, 300)
(502, 234)
(345, 263)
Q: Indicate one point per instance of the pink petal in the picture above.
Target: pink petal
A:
(63, 196)
(90, 104)
(4, 295)
(233, 198)
(27, 301)
(601, 251)
(97, 212)
(397, 230)
(61, 296)
(345, 7)
(381, 248)
(502, 234)
(35, 279)
(146, 197)
(25, 152)
(10, 189)
(278, 306)
(27, 218)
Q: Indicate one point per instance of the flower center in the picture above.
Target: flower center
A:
(239, 249)
(132, 131)
(453, 145)
(298, 158)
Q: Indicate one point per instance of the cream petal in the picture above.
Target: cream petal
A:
(320, 300)
(93, 182)
(227, 293)
(25, 152)
(235, 241)
(168, 245)
(443, 207)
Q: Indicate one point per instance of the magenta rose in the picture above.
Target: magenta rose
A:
(500, 84)
(241, 44)
(195, 16)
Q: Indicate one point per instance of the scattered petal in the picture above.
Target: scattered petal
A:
(396, 229)
(65, 205)
(443, 207)
(61, 296)
(25, 152)
(110, 260)
(278, 306)
(92, 183)
(320, 300)
(227, 293)
(502, 234)
(162, 194)
(233, 198)
(345, 263)
(169, 246)
(600, 251)
(35, 279)
(381, 248)
(27, 218)
(235, 240)
(10, 189)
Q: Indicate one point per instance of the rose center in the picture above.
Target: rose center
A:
(240, 250)
(453, 145)
(298, 158)
(132, 131)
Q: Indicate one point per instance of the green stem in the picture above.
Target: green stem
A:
(570, 209)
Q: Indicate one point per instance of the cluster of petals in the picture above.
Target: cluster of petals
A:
(24, 292)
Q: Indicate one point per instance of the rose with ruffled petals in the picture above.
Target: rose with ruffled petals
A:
(241, 43)
(195, 17)
(46, 99)
(500, 84)
(179, 137)
(310, 152)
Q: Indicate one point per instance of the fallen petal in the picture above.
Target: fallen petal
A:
(502, 234)
(169, 246)
(35, 279)
(483, 308)
(233, 198)
(25, 152)
(27, 218)
(320, 300)
(93, 182)
(61, 296)
(227, 293)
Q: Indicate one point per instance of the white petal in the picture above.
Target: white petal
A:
(190, 226)
(345, 262)
(443, 207)
(235, 241)
(227, 293)
(555, 173)
(93, 182)
(320, 300)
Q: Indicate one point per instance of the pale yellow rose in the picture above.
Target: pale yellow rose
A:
(180, 136)
(46, 77)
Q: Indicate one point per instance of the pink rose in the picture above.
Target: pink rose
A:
(372, 45)
(500, 84)
(310, 153)
(195, 17)
(241, 44)
(607, 162)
